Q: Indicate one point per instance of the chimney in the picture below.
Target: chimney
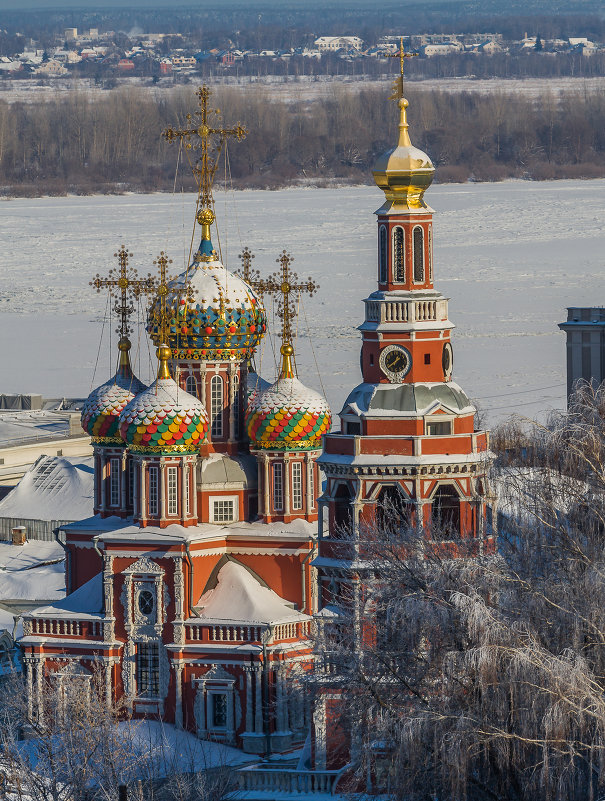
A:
(19, 535)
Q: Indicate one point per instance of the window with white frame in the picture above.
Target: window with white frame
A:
(278, 486)
(223, 510)
(148, 669)
(382, 254)
(418, 241)
(312, 484)
(216, 406)
(236, 406)
(153, 491)
(114, 482)
(173, 497)
(218, 710)
(398, 255)
(191, 385)
(297, 487)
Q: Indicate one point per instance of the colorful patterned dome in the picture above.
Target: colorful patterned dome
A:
(102, 408)
(164, 419)
(288, 415)
(223, 321)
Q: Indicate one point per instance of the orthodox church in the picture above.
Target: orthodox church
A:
(213, 543)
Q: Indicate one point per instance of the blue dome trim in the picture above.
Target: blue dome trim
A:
(206, 248)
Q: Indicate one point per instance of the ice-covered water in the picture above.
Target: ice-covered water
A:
(511, 257)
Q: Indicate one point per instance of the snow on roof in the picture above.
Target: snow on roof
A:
(85, 602)
(45, 583)
(54, 488)
(240, 598)
(32, 554)
(27, 425)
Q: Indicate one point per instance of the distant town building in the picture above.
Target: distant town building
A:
(327, 44)
(71, 34)
(165, 66)
(444, 49)
(585, 329)
(125, 64)
(51, 69)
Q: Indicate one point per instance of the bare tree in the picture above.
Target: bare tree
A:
(485, 678)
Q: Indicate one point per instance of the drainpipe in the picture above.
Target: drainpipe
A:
(305, 562)
(267, 635)
(190, 563)
(67, 564)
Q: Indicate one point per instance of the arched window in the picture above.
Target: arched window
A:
(418, 255)
(216, 406)
(398, 255)
(430, 252)
(236, 406)
(382, 254)
(392, 510)
(191, 385)
(445, 514)
(342, 510)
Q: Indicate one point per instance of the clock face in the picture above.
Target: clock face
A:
(395, 362)
(447, 361)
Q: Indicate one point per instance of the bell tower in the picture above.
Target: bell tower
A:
(407, 438)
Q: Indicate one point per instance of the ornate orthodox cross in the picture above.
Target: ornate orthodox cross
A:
(250, 276)
(159, 311)
(401, 55)
(207, 162)
(125, 286)
(284, 284)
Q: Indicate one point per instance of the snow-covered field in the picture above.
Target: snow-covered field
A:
(292, 90)
(511, 257)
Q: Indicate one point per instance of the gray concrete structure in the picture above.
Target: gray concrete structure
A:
(585, 329)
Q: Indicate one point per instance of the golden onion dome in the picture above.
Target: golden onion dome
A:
(405, 172)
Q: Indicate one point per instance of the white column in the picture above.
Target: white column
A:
(230, 714)
(123, 497)
(108, 665)
(258, 711)
(266, 478)
(29, 683)
(39, 690)
(231, 395)
(143, 475)
(249, 717)
(184, 479)
(178, 684)
(309, 473)
(203, 385)
(162, 490)
(102, 482)
(286, 484)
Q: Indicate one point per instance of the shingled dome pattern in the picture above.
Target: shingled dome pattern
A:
(164, 418)
(102, 408)
(287, 416)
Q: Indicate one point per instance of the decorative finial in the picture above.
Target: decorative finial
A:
(284, 283)
(210, 142)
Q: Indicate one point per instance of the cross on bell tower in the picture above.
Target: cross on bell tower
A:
(401, 55)
(283, 284)
(201, 137)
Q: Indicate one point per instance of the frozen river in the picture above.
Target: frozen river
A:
(510, 256)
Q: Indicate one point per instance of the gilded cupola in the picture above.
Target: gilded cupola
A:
(405, 172)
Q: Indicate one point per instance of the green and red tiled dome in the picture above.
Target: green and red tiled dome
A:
(287, 415)
(102, 408)
(164, 419)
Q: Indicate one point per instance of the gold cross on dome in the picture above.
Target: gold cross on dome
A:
(125, 286)
(199, 136)
(284, 284)
(401, 55)
(250, 276)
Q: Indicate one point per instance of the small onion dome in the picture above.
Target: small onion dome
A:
(102, 408)
(224, 320)
(287, 415)
(164, 418)
(405, 172)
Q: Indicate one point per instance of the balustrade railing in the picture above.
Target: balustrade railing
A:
(287, 781)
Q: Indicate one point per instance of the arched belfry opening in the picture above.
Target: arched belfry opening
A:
(445, 513)
(343, 512)
(393, 510)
